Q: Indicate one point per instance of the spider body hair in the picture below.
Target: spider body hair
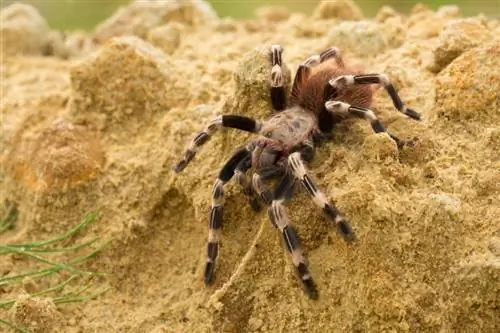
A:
(288, 128)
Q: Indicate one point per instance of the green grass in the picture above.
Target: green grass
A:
(14, 328)
(9, 218)
(79, 283)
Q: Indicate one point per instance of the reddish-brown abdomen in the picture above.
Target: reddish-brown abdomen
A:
(311, 94)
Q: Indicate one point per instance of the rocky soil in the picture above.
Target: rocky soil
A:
(98, 120)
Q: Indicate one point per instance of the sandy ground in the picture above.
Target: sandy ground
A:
(98, 120)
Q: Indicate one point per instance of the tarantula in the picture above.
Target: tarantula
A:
(324, 92)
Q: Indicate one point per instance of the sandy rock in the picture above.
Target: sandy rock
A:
(273, 13)
(491, 138)
(255, 324)
(141, 16)
(39, 315)
(380, 146)
(457, 37)
(475, 285)
(19, 86)
(166, 37)
(451, 11)
(365, 38)
(226, 24)
(125, 81)
(423, 23)
(419, 8)
(341, 9)
(421, 152)
(449, 203)
(475, 95)
(77, 44)
(487, 182)
(306, 27)
(23, 30)
(494, 25)
(57, 157)
(384, 13)
(30, 285)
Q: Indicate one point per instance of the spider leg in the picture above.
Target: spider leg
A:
(285, 188)
(242, 179)
(301, 77)
(331, 89)
(270, 172)
(296, 165)
(215, 223)
(267, 173)
(341, 107)
(277, 89)
(227, 121)
(304, 70)
(332, 52)
(262, 191)
(266, 161)
(279, 218)
(307, 150)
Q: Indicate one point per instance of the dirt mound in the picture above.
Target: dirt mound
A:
(98, 121)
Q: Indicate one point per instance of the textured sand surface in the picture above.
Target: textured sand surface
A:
(98, 120)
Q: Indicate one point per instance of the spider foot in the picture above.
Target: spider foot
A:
(404, 143)
(254, 203)
(183, 164)
(267, 197)
(209, 275)
(343, 227)
(345, 231)
(412, 114)
(180, 166)
(307, 282)
(320, 138)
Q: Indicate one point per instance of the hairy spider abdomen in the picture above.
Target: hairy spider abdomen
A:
(311, 94)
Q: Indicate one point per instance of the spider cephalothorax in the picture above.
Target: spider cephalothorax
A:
(324, 92)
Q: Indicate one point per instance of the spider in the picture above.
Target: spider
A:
(324, 92)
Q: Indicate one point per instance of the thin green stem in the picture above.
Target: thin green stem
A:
(22, 250)
(56, 287)
(65, 299)
(91, 217)
(14, 327)
(70, 297)
(50, 262)
(9, 218)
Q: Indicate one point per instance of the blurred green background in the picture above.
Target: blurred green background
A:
(85, 14)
